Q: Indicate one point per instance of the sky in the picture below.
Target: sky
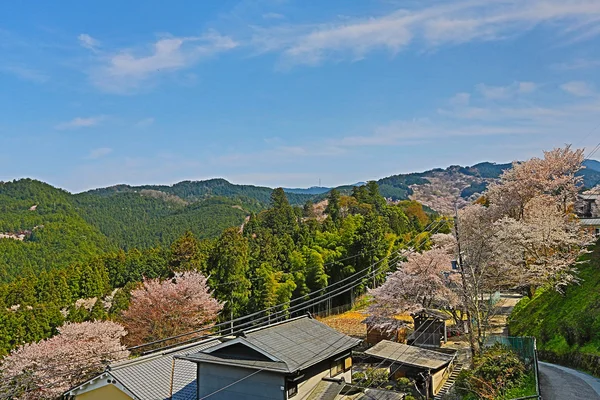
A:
(290, 92)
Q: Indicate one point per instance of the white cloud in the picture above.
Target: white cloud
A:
(79, 122)
(127, 70)
(87, 41)
(99, 153)
(580, 63)
(578, 88)
(143, 123)
(25, 73)
(505, 92)
(460, 99)
(430, 27)
(272, 15)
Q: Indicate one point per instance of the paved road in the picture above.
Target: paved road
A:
(561, 383)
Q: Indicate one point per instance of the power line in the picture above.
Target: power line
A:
(299, 307)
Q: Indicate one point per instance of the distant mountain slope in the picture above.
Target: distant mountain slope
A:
(54, 235)
(201, 190)
(141, 220)
(310, 190)
(592, 164)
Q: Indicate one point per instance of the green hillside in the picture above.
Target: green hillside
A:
(567, 326)
(133, 220)
(201, 190)
(55, 235)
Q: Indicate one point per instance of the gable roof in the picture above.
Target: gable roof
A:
(149, 377)
(409, 355)
(296, 344)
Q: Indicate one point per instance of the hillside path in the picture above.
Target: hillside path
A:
(562, 383)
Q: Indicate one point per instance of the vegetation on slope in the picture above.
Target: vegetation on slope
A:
(567, 326)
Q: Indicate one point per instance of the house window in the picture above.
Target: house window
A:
(339, 366)
(292, 389)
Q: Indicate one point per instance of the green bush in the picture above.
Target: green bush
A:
(371, 377)
(495, 371)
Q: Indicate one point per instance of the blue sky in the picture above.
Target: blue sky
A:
(287, 92)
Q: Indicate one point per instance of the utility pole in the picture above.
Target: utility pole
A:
(464, 288)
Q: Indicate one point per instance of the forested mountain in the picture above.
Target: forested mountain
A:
(43, 229)
(200, 190)
(282, 253)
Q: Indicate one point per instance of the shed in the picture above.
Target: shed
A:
(379, 329)
(414, 362)
(430, 328)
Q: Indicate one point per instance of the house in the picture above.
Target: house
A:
(430, 328)
(428, 367)
(591, 224)
(587, 204)
(147, 377)
(381, 328)
(286, 358)
(280, 361)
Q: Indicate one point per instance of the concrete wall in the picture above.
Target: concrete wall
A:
(437, 380)
(103, 393)
(264, 385)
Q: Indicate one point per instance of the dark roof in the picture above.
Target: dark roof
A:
(327, 389)
(433, 313)
(409, 355)
(290, 345)
(149, 377)
(378, 394)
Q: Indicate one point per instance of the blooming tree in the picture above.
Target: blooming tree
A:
(46, 369)
(160, 309)
(423, 281)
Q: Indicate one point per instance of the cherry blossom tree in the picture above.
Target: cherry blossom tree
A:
(44, 370)
(160, 309)
(423, 281)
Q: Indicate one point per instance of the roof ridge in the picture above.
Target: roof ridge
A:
(152, 356)
(276, 324)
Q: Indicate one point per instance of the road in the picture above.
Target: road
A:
(561, 383)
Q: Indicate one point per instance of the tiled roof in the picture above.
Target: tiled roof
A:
(410, 355)
(326, 390)
(298, 343)
(589, 221)
(149, 377)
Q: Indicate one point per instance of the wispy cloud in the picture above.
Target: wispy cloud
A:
(578, 88)
(272, 15)
(88, 42)
(505, 92)
(25, 73)
(127, 70)
(79, 122)
(143, 123)
(580, 63)
(99, 153)
(429, 27)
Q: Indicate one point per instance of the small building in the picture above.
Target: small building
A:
(280, 361)
(379, 329)
(592, 225)
(587, 204)
(297, 356)
(430, 328)
(154, 376)
(430, 368)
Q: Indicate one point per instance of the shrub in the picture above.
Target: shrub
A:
(495, 371)
(371, 377)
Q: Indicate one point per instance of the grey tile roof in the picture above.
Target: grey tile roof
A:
(299, 343)
(326, 390)
(410, 355)
(149, 377)
(277, 366)
(589, 221)
(376, 394)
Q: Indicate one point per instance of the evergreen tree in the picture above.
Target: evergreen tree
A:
(333, 205)
(228, 266)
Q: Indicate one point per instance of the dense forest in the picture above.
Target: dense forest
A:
(86, 264)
